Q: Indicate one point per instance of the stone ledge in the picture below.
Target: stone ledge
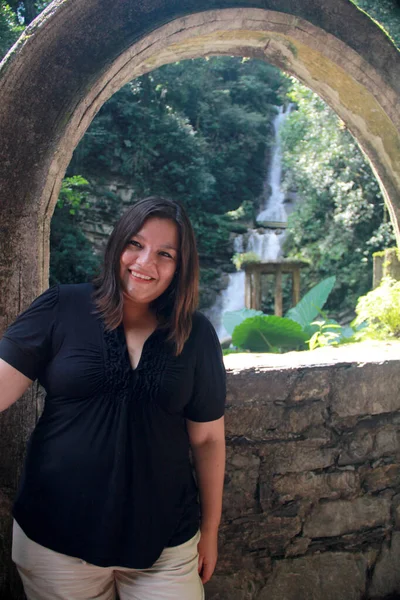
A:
(348, 354)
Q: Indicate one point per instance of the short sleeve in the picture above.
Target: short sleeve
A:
(209, 389)
(26, 344)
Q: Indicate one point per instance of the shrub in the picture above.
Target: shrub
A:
(245, 258)
(379, 312)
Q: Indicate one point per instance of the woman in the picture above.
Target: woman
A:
(133, 376)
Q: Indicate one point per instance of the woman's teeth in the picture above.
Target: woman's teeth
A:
(141, 276)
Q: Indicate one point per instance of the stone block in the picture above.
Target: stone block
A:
(295, 456)
(237, 586)
(233, 558)
(362, 390)
(369, 441)
(396, 510)
(380, 478)
(297, 547)
(298, 419)
(314, 486)
(386, 575)
(313, 385)
(335, 518)
(241, 479)
(265, 532)
(270, 421)
(259, 386)
(328, 576)
(253, 421)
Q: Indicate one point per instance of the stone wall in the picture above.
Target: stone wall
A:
(312, 494)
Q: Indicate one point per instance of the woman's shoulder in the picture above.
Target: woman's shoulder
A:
(202, 326)
(75, 296)
(76, 289)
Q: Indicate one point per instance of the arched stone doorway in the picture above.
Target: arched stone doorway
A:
(77, 54)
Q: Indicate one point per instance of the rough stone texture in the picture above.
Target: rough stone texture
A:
(311, 495)
(386, 576)
(380, 478)
(241, 480)
(292, 457)
(314, 486)
(344, 516)
(312, 386)
(370, 395)
(329, 576)
(369, 440)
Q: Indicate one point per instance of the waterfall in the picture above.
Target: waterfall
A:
(273, 208)
(266, 243)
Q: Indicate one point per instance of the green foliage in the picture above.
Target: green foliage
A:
(255, 331)
(245, 258)
(341, 219)
(379, 312)
(195, 131)
(327, 333)
(71, 256)
(10, 28)
(268, 334)
(72, 195)
(26, 10)
(245, 212)
(386, 13)
(312, 303)
(232, 319)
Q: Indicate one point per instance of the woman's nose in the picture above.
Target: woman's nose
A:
(145, 257)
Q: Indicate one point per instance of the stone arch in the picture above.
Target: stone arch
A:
(77, 54)
(74, 57)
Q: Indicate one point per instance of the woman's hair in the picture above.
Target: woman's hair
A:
(176, 305)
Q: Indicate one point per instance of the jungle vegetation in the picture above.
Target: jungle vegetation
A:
(200, 131)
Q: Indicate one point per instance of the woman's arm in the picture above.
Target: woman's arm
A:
(12, 384)
(208, 446)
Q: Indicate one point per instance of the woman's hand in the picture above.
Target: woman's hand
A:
(208, 552)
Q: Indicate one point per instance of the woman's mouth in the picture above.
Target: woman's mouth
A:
(140, 276)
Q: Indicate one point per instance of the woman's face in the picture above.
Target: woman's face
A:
(149, 261)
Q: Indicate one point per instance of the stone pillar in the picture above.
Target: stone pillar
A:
(256, 291)
(377, 269)
(278, 293)
(385, 264)
(295, 285)
(21, 280)
(247, 290)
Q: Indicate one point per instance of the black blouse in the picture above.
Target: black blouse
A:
(107, 476)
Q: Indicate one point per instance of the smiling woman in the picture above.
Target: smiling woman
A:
(134, 377)
(149, 261)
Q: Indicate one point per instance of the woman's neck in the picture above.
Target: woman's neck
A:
(138, 314)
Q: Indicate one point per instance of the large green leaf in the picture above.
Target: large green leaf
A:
(268, 334)
(232, 318)
(310, 305)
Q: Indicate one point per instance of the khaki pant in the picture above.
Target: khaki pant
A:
(49, 575)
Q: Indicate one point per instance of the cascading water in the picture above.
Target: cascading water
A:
(263, 241)
(273, 208)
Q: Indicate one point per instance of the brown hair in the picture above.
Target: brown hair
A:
(176, 305)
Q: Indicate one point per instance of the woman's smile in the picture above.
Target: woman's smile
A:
(149, 261)
(141, 276)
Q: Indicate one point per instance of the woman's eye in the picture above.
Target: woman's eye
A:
(166, 254)
(134, 243)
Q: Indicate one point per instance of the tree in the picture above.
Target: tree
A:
(341, 219)
(71, 255)
(386, 13)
